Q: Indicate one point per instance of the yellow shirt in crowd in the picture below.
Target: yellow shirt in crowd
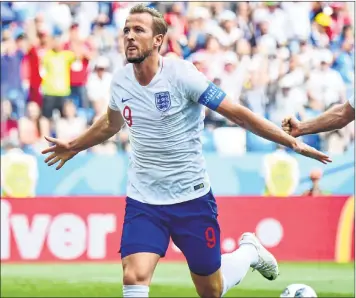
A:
(56, 72)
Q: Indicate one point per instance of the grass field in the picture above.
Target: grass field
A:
(170, 280)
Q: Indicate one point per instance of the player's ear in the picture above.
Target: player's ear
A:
(158, 40)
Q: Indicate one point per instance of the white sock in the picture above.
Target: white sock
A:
(235, 265)
(135, 291)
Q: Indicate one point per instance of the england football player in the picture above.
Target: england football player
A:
(336, 117)
(168, 195)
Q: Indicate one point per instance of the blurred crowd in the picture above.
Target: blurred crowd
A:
(277, 58)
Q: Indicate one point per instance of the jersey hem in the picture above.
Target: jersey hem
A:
(193, 196)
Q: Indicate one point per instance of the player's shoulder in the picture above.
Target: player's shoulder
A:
(177, 67)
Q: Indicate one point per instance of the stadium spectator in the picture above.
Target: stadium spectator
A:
(294, 72)
(264, 38)
(116, 55)
(9, 125)
(345, 65)
(256, 84)
(251, 48)
(320, 29)
(315, 177)
(346, 34)
(289, 100)
(227, 33)
(79, 69)
(306, 56)
(103, 40)
(56, 65)
(214, 54)
(339, 18)
(299, 27)
(276, 20)
(197, 30)
(243, 19)
(176, 19)
(11, 80)
(32, 129)
(70, 125)
(325, 85)
(98, 85)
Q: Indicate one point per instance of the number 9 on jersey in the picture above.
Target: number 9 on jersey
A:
(127, 115)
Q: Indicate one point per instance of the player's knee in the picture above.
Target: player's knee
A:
(211, 290)
(133, 276)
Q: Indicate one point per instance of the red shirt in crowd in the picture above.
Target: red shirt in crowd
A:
(7, 126)
(337, 24)
(79, 68)
(31, 72)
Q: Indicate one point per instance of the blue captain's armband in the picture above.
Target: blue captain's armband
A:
(212, 97)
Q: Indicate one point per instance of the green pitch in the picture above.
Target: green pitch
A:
(170, 280)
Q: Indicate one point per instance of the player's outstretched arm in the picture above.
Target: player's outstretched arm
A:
(103, 129)
(266, 129)
(336, 117)
(198, 88)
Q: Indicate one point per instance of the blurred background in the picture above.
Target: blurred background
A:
(276, 58)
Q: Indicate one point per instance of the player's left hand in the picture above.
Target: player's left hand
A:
(311, 152)
(60, 151)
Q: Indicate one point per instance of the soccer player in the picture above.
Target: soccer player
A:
(162, 102)
(336, 117)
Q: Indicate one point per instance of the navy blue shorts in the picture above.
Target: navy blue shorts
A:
(192, 225)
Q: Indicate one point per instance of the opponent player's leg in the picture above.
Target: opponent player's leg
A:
(144, 241)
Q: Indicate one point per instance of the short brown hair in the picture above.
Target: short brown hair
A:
(159, 24)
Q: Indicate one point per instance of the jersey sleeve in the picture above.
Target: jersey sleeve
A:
(113, 97)
(352, 101)
(198, 88)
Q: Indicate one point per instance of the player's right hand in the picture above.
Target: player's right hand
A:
(311, 152)
(291, 126)
(60, 151)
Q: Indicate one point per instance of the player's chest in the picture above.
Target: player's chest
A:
(146, 105)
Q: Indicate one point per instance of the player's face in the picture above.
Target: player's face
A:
(138, 37)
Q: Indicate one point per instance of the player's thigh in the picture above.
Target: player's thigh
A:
(201, 248)
(196, 232)
(144, 240)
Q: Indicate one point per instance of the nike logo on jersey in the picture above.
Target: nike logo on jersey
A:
(124, 100)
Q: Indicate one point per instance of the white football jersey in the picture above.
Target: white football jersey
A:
(165, 122)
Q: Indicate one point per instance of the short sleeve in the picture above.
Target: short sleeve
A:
(197, 87)
(113, 97)
(194, 83)
(352, 101)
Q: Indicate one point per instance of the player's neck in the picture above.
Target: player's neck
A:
(145, 71)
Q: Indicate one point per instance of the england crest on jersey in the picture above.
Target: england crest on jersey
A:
(163, 101)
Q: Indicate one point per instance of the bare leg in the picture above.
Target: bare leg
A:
(138, 270)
